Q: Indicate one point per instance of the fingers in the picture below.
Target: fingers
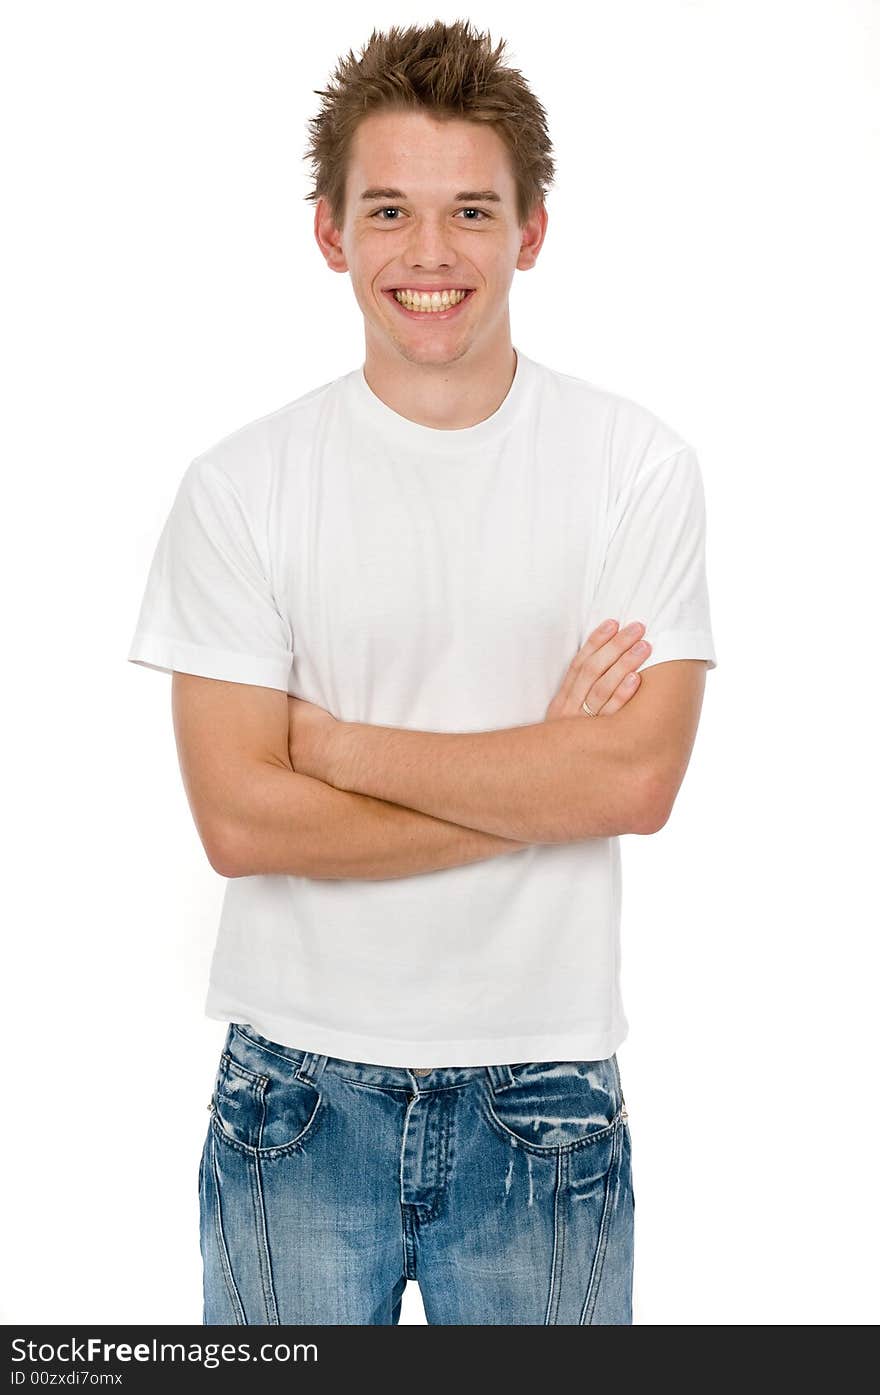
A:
(577, 678)
(605, 658)
(621, 695)
(614, 678)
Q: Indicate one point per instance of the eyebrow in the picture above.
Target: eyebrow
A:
(471, 195)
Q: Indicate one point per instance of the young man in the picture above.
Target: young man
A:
(381, 605)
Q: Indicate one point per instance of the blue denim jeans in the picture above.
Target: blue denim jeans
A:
(325, 1184)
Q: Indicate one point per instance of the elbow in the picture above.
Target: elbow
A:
(634, 808)
(221, 851)
(241, 853)
(650, 822)
(652, 806)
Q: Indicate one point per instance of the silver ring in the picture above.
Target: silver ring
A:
(586, 707)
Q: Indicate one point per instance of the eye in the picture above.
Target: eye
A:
(391, 208)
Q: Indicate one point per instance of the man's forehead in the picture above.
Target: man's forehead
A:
(380, 146)
(423, 171)
(422, 177)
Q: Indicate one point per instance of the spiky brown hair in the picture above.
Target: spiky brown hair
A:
(448, 70)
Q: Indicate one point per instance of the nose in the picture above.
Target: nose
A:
(429, 246)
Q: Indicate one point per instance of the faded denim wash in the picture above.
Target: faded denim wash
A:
(505, 1192)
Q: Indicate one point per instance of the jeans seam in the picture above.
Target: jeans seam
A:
(612, 1181)
(264, 1257)
(556, 1262)
(225, 1264)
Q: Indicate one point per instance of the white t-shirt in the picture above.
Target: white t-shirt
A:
(435, 580)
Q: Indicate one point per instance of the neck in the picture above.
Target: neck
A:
(448, 396)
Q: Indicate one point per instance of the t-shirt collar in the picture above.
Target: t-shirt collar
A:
(422, 437)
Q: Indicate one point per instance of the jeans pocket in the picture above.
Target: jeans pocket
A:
(262, 1113)
(558, 1104)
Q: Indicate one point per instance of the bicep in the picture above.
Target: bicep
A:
(223, 731)
(662, 719)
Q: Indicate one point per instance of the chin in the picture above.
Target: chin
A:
(440, 356)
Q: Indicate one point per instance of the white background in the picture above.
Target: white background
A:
(711, 253)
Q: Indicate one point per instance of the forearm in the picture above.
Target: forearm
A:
(292, 824)
(555, 781)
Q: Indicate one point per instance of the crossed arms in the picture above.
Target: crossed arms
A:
(361, 801)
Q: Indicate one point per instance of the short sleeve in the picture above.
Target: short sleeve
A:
(208, 607)
(655, 562)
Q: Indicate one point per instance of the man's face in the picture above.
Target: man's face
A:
(436, 233)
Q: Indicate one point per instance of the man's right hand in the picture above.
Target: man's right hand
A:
(603, 672)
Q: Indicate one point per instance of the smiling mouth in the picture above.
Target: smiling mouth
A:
(429, 313)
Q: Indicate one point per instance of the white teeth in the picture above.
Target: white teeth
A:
(429, 300)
